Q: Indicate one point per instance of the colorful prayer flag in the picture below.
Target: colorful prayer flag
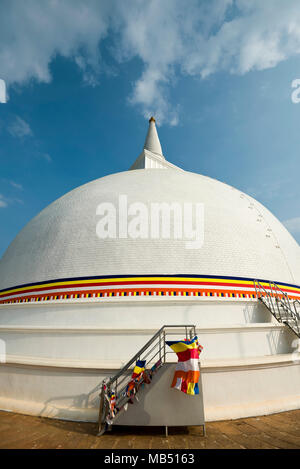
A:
(136, 376)
(187, 372)
(112, 399)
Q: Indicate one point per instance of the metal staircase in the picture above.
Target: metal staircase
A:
(280, 305)
(155, 354)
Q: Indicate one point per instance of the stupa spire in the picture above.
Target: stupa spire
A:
(152, 156)
(152, 142)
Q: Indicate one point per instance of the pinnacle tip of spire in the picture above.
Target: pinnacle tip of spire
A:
(152, 142)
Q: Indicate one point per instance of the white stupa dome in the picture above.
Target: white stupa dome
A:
(242, 239)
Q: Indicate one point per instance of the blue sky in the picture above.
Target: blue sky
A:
(83, 77)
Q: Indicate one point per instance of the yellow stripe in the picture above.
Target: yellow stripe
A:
(190, 389)
(182, 347)
(83, 282)
(148, 279)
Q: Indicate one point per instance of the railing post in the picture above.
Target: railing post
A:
(101, 425)
(277, 301)
(272, 297)
(254, 281)
(296, 311)
(159, 346)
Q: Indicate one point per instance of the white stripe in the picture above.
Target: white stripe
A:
(178, 384)
(134, 286)
(188, 365)
(142, 285)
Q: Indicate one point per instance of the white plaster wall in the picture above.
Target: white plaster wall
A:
(61, 241)
(113, 332)
(247, 392)
(119, 346)
(59, 393)
(138, 313)
(58, 354)
(73, 394)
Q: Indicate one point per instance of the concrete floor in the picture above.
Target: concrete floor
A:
(267, 432)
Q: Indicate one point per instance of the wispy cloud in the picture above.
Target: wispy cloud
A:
(18, 201)
(194, 37)
(16, 185)
(2, 91)
(293, 225)
(3, 202)
(46, 157)
(270, 188)
(19, 128)
(9, 198)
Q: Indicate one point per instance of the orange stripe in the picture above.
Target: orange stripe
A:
(190, 376)
(171, 292)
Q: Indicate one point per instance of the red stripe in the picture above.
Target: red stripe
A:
(97, 286)
(135, 375)
(129, 282)
(107, 293)
(187, 355)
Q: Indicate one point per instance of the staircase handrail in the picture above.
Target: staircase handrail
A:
(281, 299)
(287, 303)
(296, 302)
(119, 381)
(144, 348)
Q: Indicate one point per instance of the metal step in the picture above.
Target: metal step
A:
(154, 354)
(279, 304)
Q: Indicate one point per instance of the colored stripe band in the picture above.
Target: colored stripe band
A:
(141, 285)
